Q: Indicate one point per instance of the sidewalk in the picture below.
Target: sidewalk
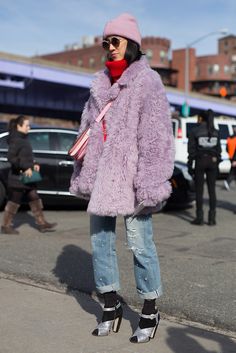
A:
(45, 320)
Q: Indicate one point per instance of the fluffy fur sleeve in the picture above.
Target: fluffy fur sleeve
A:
(155, 144)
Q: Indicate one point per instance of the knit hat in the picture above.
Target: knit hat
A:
(125, 26)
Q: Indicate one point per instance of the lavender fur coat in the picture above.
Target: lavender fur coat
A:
(136, 161)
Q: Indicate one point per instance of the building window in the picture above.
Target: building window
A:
(149, 54)
(216, 86)
(103, 59)
(216, 68)
(226, 69)
(210, 69)
(163, 55)
(80, 62)
(233, 69)
(91, 62)
(213, 69)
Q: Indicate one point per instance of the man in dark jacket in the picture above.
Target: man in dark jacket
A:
(204, 155)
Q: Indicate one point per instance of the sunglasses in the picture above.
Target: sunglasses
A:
(114, 41)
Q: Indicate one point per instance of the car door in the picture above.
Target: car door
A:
(65, 139)
(42, 142)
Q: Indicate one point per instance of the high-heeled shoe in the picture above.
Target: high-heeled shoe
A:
(143, 335)
(111, 321)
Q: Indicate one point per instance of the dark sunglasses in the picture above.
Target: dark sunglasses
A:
(114, 41)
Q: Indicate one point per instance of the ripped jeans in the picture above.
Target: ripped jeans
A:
(139, 235)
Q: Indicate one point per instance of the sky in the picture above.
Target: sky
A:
(36, 27)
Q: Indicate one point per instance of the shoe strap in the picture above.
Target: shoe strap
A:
(113, 308)
(151, 316)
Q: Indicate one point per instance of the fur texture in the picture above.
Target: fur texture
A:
(137, 159)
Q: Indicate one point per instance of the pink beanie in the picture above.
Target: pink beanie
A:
(124, 25)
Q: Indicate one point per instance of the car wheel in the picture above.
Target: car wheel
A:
(3, 195)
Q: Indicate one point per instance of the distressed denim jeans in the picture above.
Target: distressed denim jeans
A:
(139, 234)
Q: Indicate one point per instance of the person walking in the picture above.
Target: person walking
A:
(126, 169)
(204, 149)
(20, 156)
(231, 149)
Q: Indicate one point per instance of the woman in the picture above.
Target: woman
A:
(128, 162)
(204, 149)
(20, 157)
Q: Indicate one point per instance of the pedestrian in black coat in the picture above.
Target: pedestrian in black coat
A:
(204, 156)
(20, 156)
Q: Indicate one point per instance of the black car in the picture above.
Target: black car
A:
(50, 146)
(183, 189)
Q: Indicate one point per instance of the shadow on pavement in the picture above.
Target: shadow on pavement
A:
(184, 214)
(226, 205)
(23, 217)
(75, 270)
(188, 214)
(187, 339)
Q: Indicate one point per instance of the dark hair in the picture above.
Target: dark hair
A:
(208, 117)
(17, 121)
(133, 52)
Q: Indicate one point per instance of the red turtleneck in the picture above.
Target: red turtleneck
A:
(116, 69)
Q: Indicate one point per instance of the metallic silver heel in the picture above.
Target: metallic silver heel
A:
(105, 327)
(143, 335)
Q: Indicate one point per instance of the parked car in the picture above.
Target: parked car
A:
(183, 188)
(50, 146)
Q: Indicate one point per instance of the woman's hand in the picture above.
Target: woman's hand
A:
(28, 172)
(37, 167)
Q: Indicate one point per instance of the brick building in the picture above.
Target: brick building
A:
(213, 75)
(210, 74)
(93, 56)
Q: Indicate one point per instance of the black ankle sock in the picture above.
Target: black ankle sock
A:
(149, 307)
(110, 300)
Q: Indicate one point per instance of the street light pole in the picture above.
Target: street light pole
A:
(186, 73)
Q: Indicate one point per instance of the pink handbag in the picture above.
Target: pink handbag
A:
(78, 150)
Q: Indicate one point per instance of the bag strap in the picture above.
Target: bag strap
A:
(103, 112)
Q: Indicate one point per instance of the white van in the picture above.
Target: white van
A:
(182, 127)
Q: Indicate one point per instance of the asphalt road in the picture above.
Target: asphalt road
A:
(197, 262)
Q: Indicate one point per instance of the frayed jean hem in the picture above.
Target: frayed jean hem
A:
(110, 288)
(150, 295)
